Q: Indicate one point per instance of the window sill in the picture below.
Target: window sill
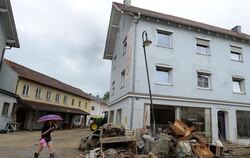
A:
(163, 84)
(163, 46)
(241, 93)
(241, 61)
(202, 88)
(203, 54)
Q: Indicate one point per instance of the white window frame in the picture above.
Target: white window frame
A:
(239, 53)
(48, 95)
(166, 32)
(5, 110)
(241, 81)
(65, 99)
(209, 75)
(57, 98)
(38, 93)
(73, 102)
(114, 62)
(169, 70)
(123, 78)
(124, 46)
(79, 103)
(26, 89)
(203, 45)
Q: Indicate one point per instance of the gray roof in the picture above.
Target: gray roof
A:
(118, 9)
(9, 24)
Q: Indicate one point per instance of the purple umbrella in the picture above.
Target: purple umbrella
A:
(50, 117)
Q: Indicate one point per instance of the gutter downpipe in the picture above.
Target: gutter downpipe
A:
(2, 58)
(135, 22)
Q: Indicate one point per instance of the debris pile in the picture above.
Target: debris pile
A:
(178, 140)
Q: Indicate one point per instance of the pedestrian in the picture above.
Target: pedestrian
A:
(45, 140)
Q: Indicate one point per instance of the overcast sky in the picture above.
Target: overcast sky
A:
(65, 38)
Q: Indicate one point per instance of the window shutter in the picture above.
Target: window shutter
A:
(202, 42)
(236, 49)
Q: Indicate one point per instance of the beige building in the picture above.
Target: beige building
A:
(40, 95)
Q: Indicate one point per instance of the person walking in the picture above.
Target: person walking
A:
(45, 140)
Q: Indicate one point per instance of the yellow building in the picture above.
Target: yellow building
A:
(40, 95)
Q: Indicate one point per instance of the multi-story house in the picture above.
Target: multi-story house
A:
(8, 39)
(40, 94)
(198, 73)
(98, 107)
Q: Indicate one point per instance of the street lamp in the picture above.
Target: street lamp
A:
(146, 42)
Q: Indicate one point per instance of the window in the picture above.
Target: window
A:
(236, 53)
(92, 108)
(163, 75)
(114, 62)
(123, 78)
(111, 116)
(38, 93)
(86, 105)
(119, 116)
(26, 90)
(204, 80)
(243, 123)
(164, 38)
(5, 109)
(73, 102)
(113, 87)
(124, 46)
(57, 97)
(48, 95)
(79, 103)
(65, 98)
(202, 46)
(238, 85)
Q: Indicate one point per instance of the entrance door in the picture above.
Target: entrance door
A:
(221, 125)
(20, 117)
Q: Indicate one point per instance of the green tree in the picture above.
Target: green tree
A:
(106, 96)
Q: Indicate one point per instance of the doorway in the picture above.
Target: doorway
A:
(222, 126)
(20, 118)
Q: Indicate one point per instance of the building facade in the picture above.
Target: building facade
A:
(40, 95)
(97, 108)
(198, 73)
(8, 39)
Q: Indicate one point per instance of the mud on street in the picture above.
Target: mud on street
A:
(24, 144)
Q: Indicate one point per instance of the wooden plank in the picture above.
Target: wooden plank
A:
(117, 139)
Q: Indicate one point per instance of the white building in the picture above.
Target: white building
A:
(8, 39)
(198, 72)
(97, 108)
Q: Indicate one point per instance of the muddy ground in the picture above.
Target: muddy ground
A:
(24, 144)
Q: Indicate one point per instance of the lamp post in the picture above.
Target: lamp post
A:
(146, 42)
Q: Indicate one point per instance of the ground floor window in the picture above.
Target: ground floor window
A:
(5, 109)
(243, 123)
(119, 116)
(111, 116)
(199, 117)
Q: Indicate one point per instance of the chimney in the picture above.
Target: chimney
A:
(237, 29)
(127, 2)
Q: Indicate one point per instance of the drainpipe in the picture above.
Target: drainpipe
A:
(135, 22)
(2, 58)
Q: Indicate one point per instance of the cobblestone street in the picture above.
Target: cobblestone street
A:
(24, 144)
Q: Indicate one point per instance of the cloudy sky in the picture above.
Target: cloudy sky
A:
(65, 38)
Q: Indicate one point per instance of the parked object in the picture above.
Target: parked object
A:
(98, 122)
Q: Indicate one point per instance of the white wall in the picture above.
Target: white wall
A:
(5, 119)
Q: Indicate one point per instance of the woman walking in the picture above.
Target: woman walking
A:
(45, 140)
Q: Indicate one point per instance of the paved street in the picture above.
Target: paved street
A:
(24, 144)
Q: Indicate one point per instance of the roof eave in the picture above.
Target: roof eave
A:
(112, 32)
(13, 42)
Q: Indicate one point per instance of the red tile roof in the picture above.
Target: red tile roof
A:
(35, 76)
(181, 21)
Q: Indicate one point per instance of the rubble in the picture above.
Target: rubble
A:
(178, 140)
